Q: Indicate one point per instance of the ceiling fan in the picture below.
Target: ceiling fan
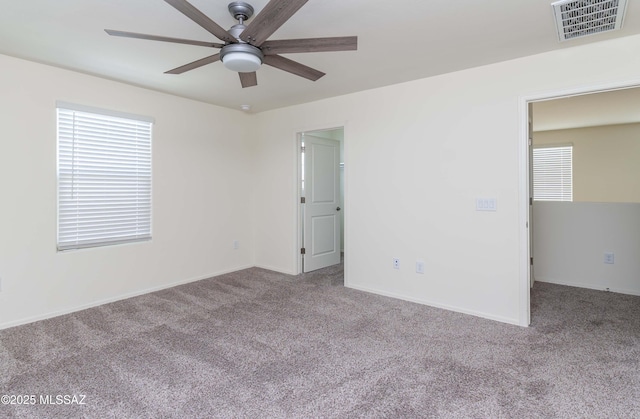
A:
(246, 48)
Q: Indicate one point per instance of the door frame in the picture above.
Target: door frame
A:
(524, 151)
(298, 179)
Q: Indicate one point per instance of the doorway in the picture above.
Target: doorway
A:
(320, 187)
(570, 119)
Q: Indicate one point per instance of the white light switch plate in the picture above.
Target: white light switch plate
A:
(486, 204)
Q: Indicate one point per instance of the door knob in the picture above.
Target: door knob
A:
(338, 209)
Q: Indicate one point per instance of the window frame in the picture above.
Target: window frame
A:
(555, 193)
(137, 174)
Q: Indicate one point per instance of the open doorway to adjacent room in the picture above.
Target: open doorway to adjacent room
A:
(584, 172)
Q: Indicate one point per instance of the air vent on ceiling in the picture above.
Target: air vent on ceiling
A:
(578, 18)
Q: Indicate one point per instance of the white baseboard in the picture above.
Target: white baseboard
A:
(113, 299)
(274, 269)
(501, 319)
(588, 286)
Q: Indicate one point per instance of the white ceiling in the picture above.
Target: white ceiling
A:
(398, 42)
(589, 110)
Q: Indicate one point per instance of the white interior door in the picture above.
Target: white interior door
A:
(322, 202)
(531, 277)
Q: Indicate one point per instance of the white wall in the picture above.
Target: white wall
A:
(201, 180)
(570, 239)
(416, 157)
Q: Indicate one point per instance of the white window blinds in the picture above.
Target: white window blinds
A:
(552, 173)
(104, 177)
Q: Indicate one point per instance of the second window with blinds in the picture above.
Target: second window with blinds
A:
(553, 173)
(104, 177)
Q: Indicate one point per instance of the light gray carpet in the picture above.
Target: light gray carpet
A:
(260, 344)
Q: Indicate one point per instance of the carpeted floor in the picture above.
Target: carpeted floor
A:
(260, 344)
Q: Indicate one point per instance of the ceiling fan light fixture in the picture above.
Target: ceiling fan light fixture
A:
(243, 58)
(242, 62)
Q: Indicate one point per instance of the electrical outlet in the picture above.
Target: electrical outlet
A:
(419, 267)
(396, 263)
(236, 244)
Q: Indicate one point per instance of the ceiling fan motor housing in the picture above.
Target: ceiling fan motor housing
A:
(236, 30)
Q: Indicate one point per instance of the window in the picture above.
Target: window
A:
(552, 173)
(104, 177)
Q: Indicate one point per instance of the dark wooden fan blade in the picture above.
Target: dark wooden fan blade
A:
(194, 65)
(287, 46)
(162, 38)
(248, 79)
(201, 19)
(274, 14)
(293, 67)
